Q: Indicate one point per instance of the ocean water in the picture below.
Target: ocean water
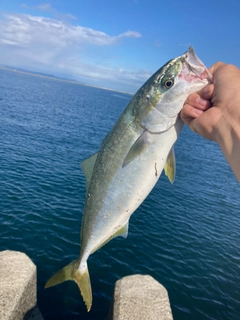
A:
(185, 235)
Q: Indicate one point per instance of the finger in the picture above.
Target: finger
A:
(196, 101)
(206, 93)
(189, 113)
(215, 66)
(194, 123)
(189, 121)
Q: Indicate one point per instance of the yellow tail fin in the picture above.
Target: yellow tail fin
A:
(71, 272)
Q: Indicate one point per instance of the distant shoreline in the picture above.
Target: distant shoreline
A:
(60, 79)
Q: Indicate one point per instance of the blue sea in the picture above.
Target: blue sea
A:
(185, 235)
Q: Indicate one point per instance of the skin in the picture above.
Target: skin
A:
(214, 112)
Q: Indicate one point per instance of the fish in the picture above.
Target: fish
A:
(130, 161)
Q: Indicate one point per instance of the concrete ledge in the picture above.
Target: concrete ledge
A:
(140, 297)
(17, 286)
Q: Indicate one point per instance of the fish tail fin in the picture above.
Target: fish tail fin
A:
(82, 279)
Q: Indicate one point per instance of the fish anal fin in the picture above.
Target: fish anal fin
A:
(123, 232)
(170, 166)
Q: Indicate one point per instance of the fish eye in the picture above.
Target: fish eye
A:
(168, 83)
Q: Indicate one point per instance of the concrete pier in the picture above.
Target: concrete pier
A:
(18, 287)
(136, 297)
(140, 297)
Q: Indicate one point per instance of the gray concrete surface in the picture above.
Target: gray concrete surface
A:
(140, 297)
(17, 287)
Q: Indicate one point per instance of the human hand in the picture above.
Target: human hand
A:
(214, 112)
(205, 111)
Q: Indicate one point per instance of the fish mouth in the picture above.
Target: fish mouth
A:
(193, 68)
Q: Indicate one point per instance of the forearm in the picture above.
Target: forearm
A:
(228, 138)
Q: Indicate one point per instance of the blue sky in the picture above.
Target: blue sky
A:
(115, 44)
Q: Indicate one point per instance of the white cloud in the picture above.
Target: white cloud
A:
(46, 7)
(35, 41)
(27, 28)
(42, 7)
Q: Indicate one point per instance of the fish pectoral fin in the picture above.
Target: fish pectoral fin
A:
(170, 166)
(137, 148)
(82, 279)
(87, 166)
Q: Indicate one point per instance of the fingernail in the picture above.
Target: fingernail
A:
(198, 111)
(202, 102)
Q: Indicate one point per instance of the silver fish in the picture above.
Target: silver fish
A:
(132, 156)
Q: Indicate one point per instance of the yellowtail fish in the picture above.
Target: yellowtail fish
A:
(130, 161)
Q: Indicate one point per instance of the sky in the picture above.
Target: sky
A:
(115, 44)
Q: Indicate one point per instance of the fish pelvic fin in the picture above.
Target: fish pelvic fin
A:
(170, 166)
(82, 279)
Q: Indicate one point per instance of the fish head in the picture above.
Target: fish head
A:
(164, 94)
(185, 75)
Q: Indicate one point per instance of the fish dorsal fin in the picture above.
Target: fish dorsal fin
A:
(87, 166)
(136, 149)
(170, 166)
